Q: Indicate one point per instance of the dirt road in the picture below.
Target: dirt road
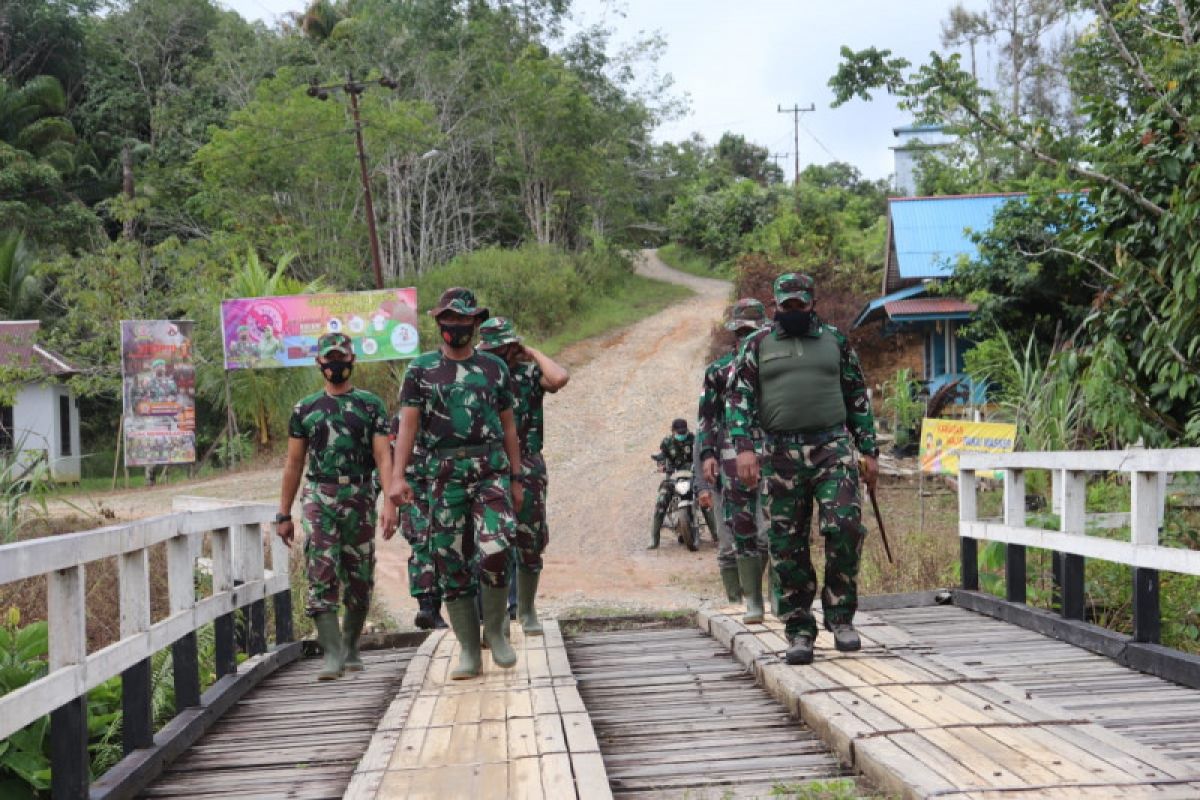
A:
(625, 389)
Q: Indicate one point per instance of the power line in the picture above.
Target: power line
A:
(813, 136)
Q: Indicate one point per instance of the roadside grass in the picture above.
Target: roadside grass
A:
(635, 299)
(684, 259)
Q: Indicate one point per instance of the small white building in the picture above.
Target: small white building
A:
(43, 421)
(916, 141)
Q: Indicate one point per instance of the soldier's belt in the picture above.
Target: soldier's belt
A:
(467, 450)
(341, 480)
(805, 437)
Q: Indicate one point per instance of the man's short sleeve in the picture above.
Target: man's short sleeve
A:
(296, 428)
(504, 388)
(410, 388)
(379, 418)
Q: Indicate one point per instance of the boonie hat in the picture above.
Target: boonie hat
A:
(497, 332)
(747, 313)
(461, 301)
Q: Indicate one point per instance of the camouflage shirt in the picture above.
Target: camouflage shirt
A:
(418, 464)
(528, 395)
(741, 408)
(676, 454)
(340, 431)
(711, 426)
(460, 401)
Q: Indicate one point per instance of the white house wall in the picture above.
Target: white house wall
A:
(35, 428)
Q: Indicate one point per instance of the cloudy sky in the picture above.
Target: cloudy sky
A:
(738, 60)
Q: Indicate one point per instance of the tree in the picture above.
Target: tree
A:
(747, 160)
(20, 286)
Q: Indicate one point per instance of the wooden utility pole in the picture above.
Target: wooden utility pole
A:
(353, 89)
(127, 188)
(796, 111)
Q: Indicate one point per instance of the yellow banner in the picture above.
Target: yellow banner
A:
(943, 439)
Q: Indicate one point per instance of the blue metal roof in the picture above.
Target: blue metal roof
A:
(931, 233)
(870, 309)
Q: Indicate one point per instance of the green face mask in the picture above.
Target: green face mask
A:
(681, 437)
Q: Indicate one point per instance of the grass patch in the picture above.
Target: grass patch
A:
(685, 259)
(634, 299)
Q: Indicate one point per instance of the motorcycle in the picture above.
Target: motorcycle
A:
(681, 515)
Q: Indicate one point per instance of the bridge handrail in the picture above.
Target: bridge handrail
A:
(240, 578)
(1070, 543)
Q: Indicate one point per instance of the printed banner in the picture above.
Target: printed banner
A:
(159, 392)
(943, 439)
(264, 332)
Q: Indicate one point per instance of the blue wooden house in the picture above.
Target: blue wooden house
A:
(927, 237)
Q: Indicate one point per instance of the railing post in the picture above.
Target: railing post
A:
(280, 565)
(1143, 522)
(223, 578)
(1073, 520)
(1014, 516)
(968, 511)
(254, 567)
(181, 588)
(69, 772)
(137, 715)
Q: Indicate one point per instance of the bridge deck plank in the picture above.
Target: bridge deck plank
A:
(292, 736)
(937, 702)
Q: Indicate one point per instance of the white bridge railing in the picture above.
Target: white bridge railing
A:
(240, 579)
(1147, 471)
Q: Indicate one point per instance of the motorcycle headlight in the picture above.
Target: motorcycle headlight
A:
(683, 486)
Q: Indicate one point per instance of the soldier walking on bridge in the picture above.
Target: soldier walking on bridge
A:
(414, 526)
(801, 382)
(342, 434)
(742, 552)
(457, 403)
(533, 374)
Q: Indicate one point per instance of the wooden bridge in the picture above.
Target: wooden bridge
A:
(955, 694)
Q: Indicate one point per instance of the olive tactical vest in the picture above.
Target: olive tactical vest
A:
(800, 383)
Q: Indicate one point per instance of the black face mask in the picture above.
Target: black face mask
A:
(457, 335)
(337, 372)
(796, 323)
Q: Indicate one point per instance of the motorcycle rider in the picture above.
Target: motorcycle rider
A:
(675, 452)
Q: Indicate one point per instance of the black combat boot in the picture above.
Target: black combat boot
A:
(800, 650)
(845, 638)
(438, 622)
(429, 611)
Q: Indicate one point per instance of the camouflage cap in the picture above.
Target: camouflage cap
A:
(461, 301)
(793, 286)
(335, 343)
(747, 313)
(497, 332)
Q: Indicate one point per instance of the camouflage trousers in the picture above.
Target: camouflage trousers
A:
(741, 513)
(339, 545)
(414, 526)
(532, 534)
(471, 518)
(663, 501)
(794, 477)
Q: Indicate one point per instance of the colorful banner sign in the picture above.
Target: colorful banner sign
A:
(264, 332)
(942, 440)
(159, 392)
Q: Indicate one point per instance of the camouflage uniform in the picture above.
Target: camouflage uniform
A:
(677, 455)
(414, 523)
(469, 492)
(532, 532)
(339, 495)
(800, 467)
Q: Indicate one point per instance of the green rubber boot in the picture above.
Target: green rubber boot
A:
(655, 531)
(464, 620)
(329, 635)
(733, 584)
(711, 519)
(750, 575)
(495, 625)
(527, 584)
(352, 626)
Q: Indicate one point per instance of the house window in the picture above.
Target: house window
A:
(6, 429)
(64, 425)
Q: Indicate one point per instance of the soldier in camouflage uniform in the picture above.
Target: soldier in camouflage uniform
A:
(457, 404)
(414, 526)
(741, 555)
(341, 434)
(675, 452)
(801, 382)
(533, 375)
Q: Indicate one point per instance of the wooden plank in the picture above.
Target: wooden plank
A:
(557, 779)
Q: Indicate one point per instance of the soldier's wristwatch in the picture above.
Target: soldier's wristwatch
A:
(282, 518)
